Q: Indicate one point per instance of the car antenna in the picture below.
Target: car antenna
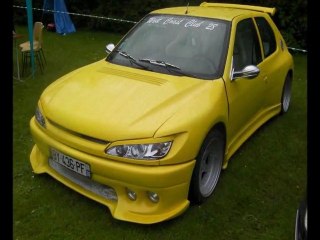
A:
(187, 9)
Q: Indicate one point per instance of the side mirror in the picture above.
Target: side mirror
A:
(249, 72)
(109, 48)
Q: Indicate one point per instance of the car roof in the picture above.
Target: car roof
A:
(216, 10)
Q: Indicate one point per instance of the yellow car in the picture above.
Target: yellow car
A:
(148, 129)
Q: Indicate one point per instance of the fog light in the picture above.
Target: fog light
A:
(131, 194)
(154, 197)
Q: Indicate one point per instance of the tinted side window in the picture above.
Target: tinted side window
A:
(267, 36)
(246, 47)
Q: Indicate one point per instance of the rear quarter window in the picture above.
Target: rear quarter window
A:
(267, 36)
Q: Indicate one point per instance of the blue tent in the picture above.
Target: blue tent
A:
(62, 20)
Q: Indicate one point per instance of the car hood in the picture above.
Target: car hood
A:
(112, 102)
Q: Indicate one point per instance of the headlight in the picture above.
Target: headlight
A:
(40, 118)
(141, 151)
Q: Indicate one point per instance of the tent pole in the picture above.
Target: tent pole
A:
(30, 29)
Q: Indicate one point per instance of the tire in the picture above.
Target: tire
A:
(286, 94)
(208, 167)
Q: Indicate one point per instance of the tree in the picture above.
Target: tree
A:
(291, 16)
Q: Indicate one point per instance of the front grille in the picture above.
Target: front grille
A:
(92, 139)
(86, 183)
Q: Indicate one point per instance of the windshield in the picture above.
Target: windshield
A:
(176, 45)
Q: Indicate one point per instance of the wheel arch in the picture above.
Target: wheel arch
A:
(290, 73)
(219, 126)
(286, 92)
(194, 194)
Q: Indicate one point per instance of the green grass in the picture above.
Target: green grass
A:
(256, 197)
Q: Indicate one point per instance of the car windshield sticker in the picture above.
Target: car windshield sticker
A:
(193, 23)
(174, 21)
(186, 22)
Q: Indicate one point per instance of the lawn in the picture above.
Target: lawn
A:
(256, 197)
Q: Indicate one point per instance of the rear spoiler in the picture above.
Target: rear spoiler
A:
(271, 11)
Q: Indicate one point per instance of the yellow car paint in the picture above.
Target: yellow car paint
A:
(102, 105)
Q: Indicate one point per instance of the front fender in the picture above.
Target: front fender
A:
(193, 122)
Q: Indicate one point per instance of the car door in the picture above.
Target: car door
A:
(272, 61)
(245, 95)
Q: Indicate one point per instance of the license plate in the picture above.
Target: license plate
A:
(71, 163)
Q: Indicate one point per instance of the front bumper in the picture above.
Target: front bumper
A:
(110, 180)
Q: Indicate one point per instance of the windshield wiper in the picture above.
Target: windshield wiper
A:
(170, 67)
(159, 63)
(132, 59)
